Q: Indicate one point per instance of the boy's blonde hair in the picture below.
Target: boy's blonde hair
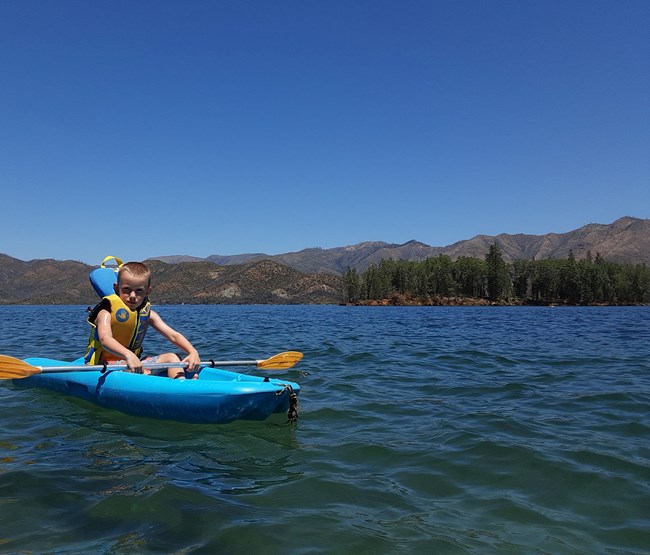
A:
(137, 270)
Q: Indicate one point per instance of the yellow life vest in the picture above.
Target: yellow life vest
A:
(128, 328)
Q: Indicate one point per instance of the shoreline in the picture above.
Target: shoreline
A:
(402, 300)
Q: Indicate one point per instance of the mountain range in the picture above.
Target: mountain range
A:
(625, 240)
(308, 276)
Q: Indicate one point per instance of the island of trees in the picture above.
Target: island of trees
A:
(441, 280)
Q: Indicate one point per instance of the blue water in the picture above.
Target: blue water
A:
(422, 430)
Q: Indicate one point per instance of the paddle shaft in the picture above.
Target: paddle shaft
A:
(148, 365)
(14, 368)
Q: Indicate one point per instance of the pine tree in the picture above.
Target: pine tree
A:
(498, 279)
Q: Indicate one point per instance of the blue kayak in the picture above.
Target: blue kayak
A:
(217, 397)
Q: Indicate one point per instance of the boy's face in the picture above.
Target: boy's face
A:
(132, 290)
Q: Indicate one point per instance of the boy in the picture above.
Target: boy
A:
(120, 322)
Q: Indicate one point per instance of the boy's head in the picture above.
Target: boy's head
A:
(133, 283)
(135, 269)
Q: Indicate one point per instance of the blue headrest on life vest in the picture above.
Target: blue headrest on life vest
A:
(103, 278)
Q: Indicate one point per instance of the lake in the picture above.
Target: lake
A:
(475, 430)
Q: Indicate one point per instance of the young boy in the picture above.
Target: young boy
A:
(120, 322)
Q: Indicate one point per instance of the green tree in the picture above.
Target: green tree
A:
(569, 279)
(498, 279)
(522, 272)
(470, 276)
(351, 285)
(438, 275)
(590, 280)
(545, 282)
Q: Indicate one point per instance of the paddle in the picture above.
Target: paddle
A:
(14, 368)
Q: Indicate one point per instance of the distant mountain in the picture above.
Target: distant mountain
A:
(259, 282)
(308, 276)
(625, 240)
(44, 282)
(236, 258)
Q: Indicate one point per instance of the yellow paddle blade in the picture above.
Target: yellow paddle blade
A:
(280, 361)
(12, 368)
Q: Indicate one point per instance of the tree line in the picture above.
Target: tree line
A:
(592, 280)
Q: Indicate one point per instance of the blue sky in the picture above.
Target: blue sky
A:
(145, 128)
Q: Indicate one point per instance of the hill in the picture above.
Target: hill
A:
(44, 282)
(259, 282)
(625, 240)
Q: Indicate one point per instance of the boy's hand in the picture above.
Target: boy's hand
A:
(135, 364)
(193, 361)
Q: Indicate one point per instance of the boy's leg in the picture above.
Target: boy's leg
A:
(173, 372)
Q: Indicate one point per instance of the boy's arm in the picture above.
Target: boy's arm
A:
(112, 345)
(177, 339)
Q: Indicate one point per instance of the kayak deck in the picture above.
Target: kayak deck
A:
(217, 397)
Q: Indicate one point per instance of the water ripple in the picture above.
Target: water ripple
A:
(421, 430)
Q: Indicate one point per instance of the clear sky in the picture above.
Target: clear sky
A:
(143, 128)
